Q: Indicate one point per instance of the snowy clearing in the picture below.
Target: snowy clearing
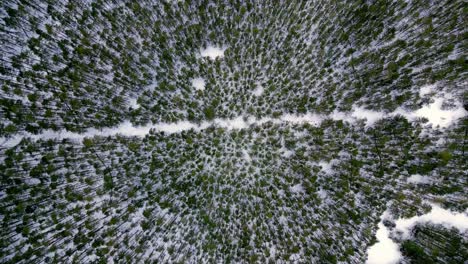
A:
(298, 188)
(370, 116)
(326, 166)
(246, 155)
(386, 251)
(437, 215)
(417, 179)
(426, 90)
(212, 52)
(433, 112)
(198, 84)
(258, 91)
(134, 103)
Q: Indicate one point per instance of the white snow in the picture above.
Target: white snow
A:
(246, 156)
(198, 84)
(369, 115)
(438, 116)
(297, 188)
(258, 91)
(358, 112)
(236, 123)
(416, 178)
(322, 194)
(437, 215)
(273, 251)
(294, 258)
(385, 251)
(310, 118)
(287, 153)
(433, 112)
(134, 104)
(338, 115)
(283, 220)
(213, 52)
(326, 166)
(32, 181)
(170, 127)
(440, 142)
(127, 129)
(426, 90)
(10, 141)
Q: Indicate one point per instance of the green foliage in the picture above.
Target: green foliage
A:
(445, 156)
(414, 252)
(88, 142)
(209, 113)
(74, 66)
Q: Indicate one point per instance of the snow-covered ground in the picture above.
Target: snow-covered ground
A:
(370, 116)
(134, 103)
(326, 166)
(437, 215)
(433, 112)
(386, 251)
(298, 188)
(198, 84)
(417, 179)
(258, 91)
(213, 52)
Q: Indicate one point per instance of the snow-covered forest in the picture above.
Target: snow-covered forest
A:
(229, 131)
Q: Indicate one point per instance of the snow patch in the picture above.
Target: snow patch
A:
(198, 84)
(283, 220)
(310, 118)
(326, 166)
(426, 90)
(134, 103)
(369, 115)
(171, 127)
(236, 123)
(417, 179)
(213, 52)
(298, 188)
(434, 111)
(258, 90)
(435, 114)
(10, 142)
(385, 251)
(246, 156)
(437, 215)
(322, 194)
(338, 115)
(438, 116)
(357, 113)
(287, 153)
(273, 251)
(32, 181)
